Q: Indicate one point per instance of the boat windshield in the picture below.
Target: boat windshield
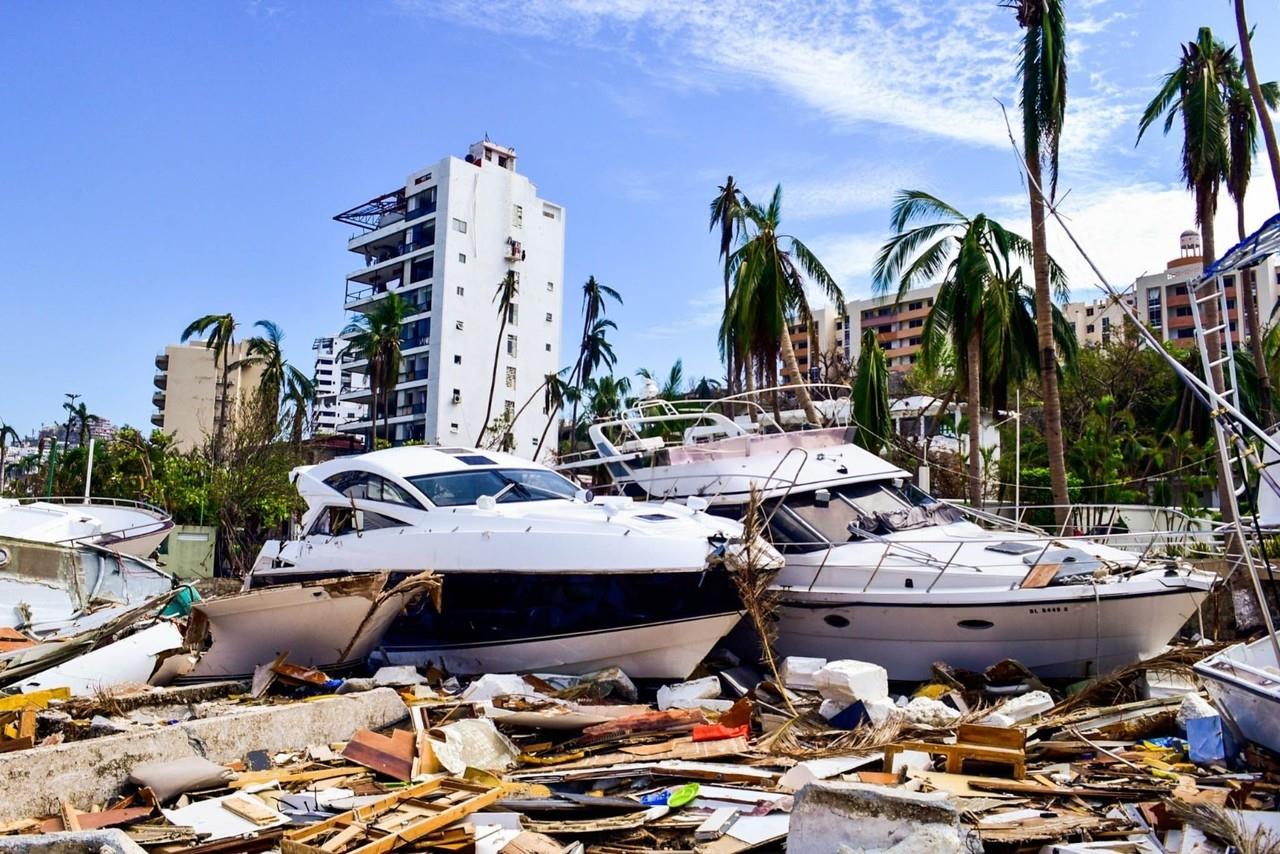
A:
(877, 507)
(456, 489)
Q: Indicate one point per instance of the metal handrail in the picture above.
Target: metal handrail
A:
(80, 499)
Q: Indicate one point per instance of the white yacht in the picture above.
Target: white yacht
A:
(880, 571)
(130, 527)
(537, 575)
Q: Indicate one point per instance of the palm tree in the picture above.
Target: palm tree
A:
(596, 352)
(505, 297)
(1043, 98)
(1198, 91)
(607, 395)
(1257, 94)
(1242, 143)
(705, 388)
(871, 395)
(769, 270)
(219, 331)
(265, 350)
(727, 215)
(672, 386)
(595, 297)
(556, 390)
(6, 433)
(84, 419)
(375, 336)
(977, 258)
(299, 395)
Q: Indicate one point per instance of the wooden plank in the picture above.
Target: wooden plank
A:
(252, 778)
(992, 736)
(35, 699)
(250, 809)
(392, 756)
(1040, 575)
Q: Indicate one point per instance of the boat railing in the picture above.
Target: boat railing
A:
(162, 522)
(81, 500)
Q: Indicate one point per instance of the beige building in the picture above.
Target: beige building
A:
(189, 390)
(1097, 322)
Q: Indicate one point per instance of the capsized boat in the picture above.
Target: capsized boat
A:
(130, 527)
(537, 574)
(878, 570)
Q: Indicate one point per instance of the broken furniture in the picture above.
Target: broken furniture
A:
(977, 742)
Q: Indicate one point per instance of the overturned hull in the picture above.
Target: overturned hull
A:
(48, 589)
(325, 624)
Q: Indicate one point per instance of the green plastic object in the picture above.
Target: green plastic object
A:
(181, 601)
(683, 795)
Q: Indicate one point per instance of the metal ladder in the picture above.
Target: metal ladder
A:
(1228, 431)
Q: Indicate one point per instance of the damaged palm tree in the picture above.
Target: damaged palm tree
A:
(753, 567)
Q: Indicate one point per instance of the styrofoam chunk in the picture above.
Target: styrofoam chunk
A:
(1026, 706)
(881, 709)
(797, 672)
(496, 685)
(922, 710)
(846, 681)
(699, 689)
(1193, 707)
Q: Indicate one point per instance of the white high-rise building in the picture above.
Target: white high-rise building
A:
(444, 242)
(329, 412)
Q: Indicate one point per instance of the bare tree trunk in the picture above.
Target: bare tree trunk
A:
(1044, 340)
(1255, 90)
(493, 383)
(973, 361)
(802, 392)
(1246, 298)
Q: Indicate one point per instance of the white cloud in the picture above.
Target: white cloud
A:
(849, 258)
(863, 187)
(702, 312)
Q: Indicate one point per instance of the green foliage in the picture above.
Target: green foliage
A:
(870, 400)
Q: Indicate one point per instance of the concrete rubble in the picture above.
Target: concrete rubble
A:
(821, 756)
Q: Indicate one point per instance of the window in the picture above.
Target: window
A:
(1088, 330)
(511, 376)
(548, 317)
(457, 395)
(460, 226)
(513, 314)
(549, 211)
(453, 428)
(422, 269)
(517, 216)
(551, 286)
(916, 324)
(511, 346)
(914, 306)
(457, 358)
(339, 521)
(460, 290)
(462, 257)
(1088, 312)
(548, 346)
(371, 487)
(457, 324)
(515, 485)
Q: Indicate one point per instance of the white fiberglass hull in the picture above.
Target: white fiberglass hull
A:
(1244, 681)
(1062, 631)
(667, 650)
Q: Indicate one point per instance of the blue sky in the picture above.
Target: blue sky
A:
(163, 160)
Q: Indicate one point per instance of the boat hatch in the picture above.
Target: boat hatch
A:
(1014, 548)
(656, 517)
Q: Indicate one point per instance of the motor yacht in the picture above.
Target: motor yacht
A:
(130, 527)
(879, 570)
(536, 574)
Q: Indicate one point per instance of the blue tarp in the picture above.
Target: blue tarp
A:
(1254, 248)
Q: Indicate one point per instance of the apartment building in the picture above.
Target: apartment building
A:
(189, 390)
(445, 241)
(1097, 322)
(899, 325)
(328, 412)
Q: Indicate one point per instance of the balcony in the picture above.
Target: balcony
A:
(158, 400)
(162, 361)
(157, 418)
(411, 342)
(161, 380)
(515, 251)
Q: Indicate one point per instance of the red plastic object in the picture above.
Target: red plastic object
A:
(715, 732)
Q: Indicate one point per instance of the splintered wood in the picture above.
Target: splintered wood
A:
(394, 822)
(974, 742)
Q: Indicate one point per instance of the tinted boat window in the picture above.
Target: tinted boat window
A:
(371, 487)
(456, 489)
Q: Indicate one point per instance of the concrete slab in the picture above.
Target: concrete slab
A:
(107, 841)
(862, 818)
(92, 771)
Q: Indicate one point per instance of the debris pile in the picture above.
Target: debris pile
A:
(824, 757)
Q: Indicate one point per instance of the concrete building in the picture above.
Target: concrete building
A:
(1165, 305)
(328, 412)
(444, 242)
(189, 390)
(899, 325)
(1096, 322)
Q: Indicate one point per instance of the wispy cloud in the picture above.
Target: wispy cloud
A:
(702, 313)
(853, 61)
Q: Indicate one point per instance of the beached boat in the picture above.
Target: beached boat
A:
(880, 571)
(537, 575)
(130, 527)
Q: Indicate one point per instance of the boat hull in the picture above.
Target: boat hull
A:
(654, 625)
(1068, 636)
(1244, 681)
